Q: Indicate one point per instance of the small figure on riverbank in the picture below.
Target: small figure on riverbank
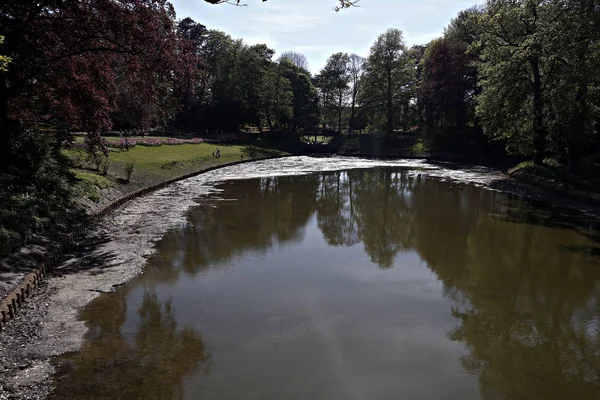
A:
(218, 153)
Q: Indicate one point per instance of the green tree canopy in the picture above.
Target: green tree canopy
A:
(386, 80)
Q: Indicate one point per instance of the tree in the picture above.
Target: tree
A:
(277, 98)
(517, 72)
(189, 85)
(253, 62)
(298, 59)
(577, 47)
(387, 74)
(334, 81)
(73, 64)
(62, 70)
(445, 87)
(356, 69)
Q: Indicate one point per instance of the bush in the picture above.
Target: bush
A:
(96, 158)
(36, 192)
(78, 158)
(104, 165)
(9, 241)
(129, 167)
(89, 185)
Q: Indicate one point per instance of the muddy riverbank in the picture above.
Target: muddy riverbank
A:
(116, 250)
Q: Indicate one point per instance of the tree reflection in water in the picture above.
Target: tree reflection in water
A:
(527, 305)
(150, 363)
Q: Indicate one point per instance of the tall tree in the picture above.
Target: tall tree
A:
(356, 70)
(445, 87)
(334, 80)
(298, 59)
(72, 64)
(386, 78)
(276, 98)
(517, 72)
(577, 47)
(63, 54)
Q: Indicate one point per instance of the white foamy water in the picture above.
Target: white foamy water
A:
(303, 165)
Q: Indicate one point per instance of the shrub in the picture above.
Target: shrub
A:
(89, 184)
(129, 167)
(96, 159)
(104, 165)
(36, 192)
(78, 158)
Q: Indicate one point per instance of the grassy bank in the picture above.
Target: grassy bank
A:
(151, 165)
(552, 175)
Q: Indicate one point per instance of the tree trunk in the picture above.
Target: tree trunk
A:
(575, 138)
(340, 112)
(351, 123)
(269, 122)
(390, 107)
(539, 131)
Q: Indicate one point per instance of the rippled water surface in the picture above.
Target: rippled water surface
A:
(351, 281)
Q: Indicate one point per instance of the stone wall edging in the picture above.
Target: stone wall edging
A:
(17, 297)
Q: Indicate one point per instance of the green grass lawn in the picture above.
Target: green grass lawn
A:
(155, 164)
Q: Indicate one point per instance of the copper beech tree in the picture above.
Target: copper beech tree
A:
(72, 60)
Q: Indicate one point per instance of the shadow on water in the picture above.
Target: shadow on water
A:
(522, 211)
(523, 281)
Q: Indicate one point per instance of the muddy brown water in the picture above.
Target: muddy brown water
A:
(361, 284)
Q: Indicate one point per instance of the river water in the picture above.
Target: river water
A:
(351, 279)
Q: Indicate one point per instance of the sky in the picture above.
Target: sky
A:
(312, 27)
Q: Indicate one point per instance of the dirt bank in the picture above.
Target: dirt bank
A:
(116, 250)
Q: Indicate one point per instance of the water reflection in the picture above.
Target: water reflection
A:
(523, 285)
(149, 360)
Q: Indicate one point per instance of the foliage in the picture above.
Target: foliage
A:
(356, 70)
(36, 192)
(104, 166)
(89, 184)
(4, 60)
(334, 83)
(536, 69)
(278, 97)
(446, 87)
(129, 168)
(298, 59)
(524, 73)
(386, 90)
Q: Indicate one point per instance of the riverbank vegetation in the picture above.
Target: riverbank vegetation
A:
(518, 79)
